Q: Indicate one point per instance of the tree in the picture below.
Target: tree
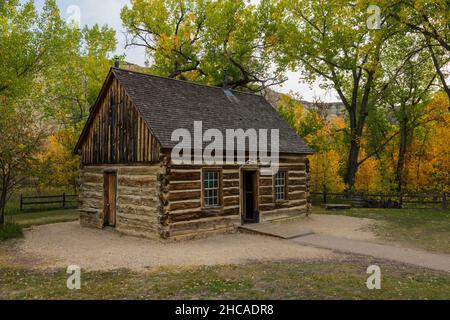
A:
(430, 19)
(20, 141)
(323, 136)
(428, 168)
(202, 40)
(331, 41)
(406, 100)
(30, 42)
(71, 86)
(51, 73)
(57, 166)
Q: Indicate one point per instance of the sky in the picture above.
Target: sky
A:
(107, 12)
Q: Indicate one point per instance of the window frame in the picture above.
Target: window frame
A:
(219, 188)
(286, 186)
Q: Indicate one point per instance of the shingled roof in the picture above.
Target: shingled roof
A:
(168, 104)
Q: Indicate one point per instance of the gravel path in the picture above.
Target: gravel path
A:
(338, 226)
(64, 244)
(419, 258)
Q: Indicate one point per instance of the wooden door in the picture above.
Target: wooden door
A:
(110, 187)
(250, 196)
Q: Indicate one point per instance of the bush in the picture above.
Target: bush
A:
(10, 231)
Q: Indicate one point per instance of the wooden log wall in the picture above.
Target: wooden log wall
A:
(181, 211)
(117, 134)
(297, 201)
(137, 199)
(165, 200)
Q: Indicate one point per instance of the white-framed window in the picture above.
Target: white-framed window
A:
(211, 188)
(280, 186)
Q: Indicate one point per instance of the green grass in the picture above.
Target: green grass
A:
(13, 205)
(29, 219)
(287, 280)
(11, 231)
(424, 228)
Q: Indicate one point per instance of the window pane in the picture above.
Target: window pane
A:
(280, 186)
(211, 186)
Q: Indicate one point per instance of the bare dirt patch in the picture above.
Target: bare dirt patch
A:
(338, 226)
(60, 245)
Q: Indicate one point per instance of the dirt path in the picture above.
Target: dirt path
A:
(64, 244)
(440, 262)
(338, 226)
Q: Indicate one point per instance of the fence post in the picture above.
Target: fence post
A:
(444, 200)
(64, 200)
(21, 202)
(400, 205)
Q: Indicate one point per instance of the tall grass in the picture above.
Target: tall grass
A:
(10, 231)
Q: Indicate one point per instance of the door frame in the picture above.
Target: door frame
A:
(256, 173)
(107, 174)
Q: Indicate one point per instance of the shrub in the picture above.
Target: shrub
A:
(10, 231)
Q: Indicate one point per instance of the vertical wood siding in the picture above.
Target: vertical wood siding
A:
(117, 134)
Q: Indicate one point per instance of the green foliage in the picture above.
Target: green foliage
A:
(368, 68)
(30, 42)
(51, 75)
(201, 39)
(72, 86)
(21, 138)
(11, 231)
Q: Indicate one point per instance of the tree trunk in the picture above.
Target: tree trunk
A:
(2, 207)
(5, 179)
(401, 156)
(352, 164)
(438, 68)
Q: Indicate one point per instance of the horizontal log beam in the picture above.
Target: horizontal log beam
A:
(197, 185)
(184, 195)
(191, 216)
(231, 201)
(231, 192)
(173, 206)
(284, 205)
(185, 176)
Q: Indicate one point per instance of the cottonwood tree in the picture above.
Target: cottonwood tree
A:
(406, 100)
(32, 43)
(331, 41)
(71, 86)
(431, 20)
(201, 40)
(20, 140)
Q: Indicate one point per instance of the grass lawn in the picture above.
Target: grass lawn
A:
(424, 228)
(29, 219)
(340, 279)
(18, 221)
(287, 280)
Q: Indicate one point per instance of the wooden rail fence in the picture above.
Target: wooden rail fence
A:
(63, 201)
(380, 200)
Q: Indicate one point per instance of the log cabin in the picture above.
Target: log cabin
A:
(129, 181)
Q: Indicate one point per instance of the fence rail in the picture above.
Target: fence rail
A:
(382, 200)
(63, 201)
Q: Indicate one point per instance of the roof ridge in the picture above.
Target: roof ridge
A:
(186, 81)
